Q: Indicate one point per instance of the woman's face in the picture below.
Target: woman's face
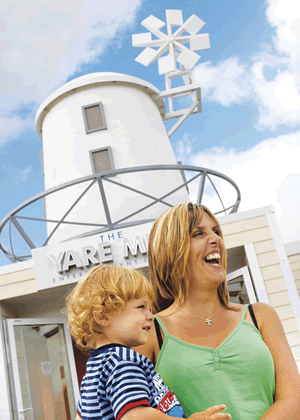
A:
(206, 253)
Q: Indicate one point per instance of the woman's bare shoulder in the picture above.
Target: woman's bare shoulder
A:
(264, 314)
(237, 306)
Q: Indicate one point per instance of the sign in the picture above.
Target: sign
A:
(68, 262)
(46, 368)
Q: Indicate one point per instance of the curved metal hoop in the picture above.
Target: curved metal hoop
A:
(201, 173)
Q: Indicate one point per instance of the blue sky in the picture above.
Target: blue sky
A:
(250, 125)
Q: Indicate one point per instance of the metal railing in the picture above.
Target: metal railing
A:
(13, 218)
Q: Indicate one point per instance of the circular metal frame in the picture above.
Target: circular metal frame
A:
(202, 173)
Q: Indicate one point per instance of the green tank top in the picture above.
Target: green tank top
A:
(239, 373)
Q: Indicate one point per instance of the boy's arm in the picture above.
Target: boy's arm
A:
(145, 413)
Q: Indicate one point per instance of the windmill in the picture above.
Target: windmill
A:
(109, 130)
(179, 60)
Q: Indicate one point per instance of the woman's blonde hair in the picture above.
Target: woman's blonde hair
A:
(168, 251)
(104, 289)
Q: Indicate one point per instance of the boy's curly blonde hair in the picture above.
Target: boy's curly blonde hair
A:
(105, 289)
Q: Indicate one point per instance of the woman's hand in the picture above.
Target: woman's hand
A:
(211, 414)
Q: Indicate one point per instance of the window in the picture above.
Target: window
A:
(94, 118)
(102, 160)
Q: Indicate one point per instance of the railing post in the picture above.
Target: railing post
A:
(22, 232)
(236, 206)
(201, 188)
(105, 205)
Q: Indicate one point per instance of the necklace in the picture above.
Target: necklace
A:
(207, 320)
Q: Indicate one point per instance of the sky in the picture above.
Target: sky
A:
(249, 128)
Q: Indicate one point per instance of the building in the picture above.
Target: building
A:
(41, 346)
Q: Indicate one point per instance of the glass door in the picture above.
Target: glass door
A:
(42, 369)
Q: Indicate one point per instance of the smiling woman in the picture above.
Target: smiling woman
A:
(206, 256)
(207, 349)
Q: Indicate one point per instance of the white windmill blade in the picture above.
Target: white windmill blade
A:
(174, 17)
(145, 57)
(152, 22)
(149, 54)
(192, 26)
(199, 42)
(138, 40)
(166, 64)
(145, 40)
(187, 58)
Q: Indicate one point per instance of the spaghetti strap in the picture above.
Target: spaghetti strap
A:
(244, 313)
(162, 326)
(253, 316)
(158, 333)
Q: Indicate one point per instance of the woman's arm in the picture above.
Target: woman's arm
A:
(287, 391)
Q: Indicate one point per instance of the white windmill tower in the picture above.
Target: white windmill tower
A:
(105, 122)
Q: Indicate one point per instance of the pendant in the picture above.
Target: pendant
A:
(208, 321)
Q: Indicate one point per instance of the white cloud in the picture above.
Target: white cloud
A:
(226, 83)
(23, 175)
(44, 43)
(278, 100)
(184, 148)
(13, 126)
(284, 15)
(266, 174)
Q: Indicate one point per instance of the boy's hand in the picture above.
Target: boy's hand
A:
(211, 414)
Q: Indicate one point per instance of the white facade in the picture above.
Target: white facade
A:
(136, 135)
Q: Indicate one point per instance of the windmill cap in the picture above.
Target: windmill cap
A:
(89, 80)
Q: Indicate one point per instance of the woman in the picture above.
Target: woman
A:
(212, 352)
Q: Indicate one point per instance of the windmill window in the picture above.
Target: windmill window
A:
(94, 118)
(102, 160)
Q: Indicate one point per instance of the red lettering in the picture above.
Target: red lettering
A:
(170, 396)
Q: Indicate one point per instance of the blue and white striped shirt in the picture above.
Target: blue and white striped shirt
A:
(117, 379)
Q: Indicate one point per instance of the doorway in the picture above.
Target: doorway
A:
(42, 371)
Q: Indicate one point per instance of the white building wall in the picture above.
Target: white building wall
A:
(293, 253)
(273, 273)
